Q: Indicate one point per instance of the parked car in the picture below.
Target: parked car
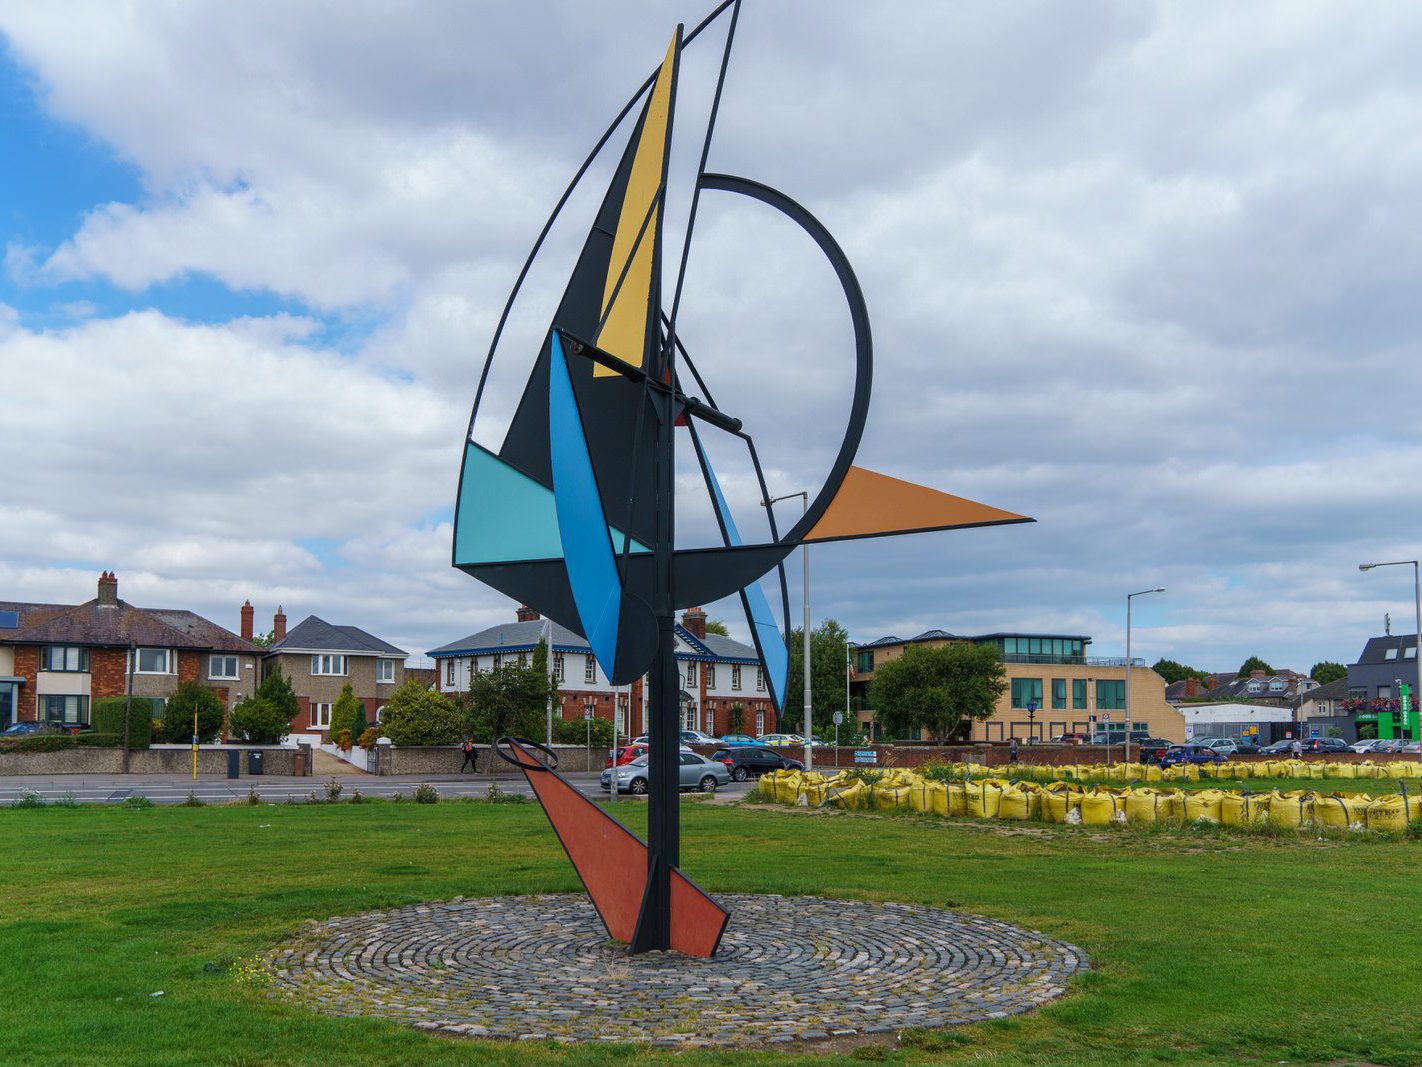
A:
(1245, 746)
(31, 729)
(1070, 739)
(1278, 748)
(1152, 748)
(1325, 744)
(627, 754)
(780, 740)
(1375, 744)
(697, 772)
(747, 761)
(1196, 754)
(1225, 746)
(696, 737)
(1411, 748)
(737, 739)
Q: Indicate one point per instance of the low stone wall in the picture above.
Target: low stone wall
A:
(440, 760)
(212, 762)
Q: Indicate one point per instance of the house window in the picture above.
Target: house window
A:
(154, 661)
(864, 661)
(589, 668)
(64, 658)
(380, 711)
(222, 667)
(760, 679)
(449, 672)
(1410, 652)
(1110, 695)
(710, 676)
(759, 721)
(558, 665)
(320, 716)
(1384, 692)
(328, 664)
(385, 670)
(1025, 691)
(1058, 694)
(691, 673)
(1391, 653)
(688, 715)
(1078, 694)
(498, 660)
(735, 677)
(1357, 692)
(711, 717)
(69, 710)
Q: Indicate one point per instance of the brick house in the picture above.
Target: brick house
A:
(716, 673)
(320, 658)
(55, 659)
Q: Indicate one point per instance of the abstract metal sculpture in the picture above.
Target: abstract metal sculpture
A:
(574, 514)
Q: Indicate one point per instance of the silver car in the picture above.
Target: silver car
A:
(697, 772)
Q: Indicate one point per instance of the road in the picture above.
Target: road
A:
(174, 789)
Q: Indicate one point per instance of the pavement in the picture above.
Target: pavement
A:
(214, 789)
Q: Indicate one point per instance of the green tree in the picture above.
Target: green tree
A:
(276, 690)
(361, 722)
(192, 698)
(716, 626)
(576, 731)
(1254, 663)
(736, 723)
(937, 688)
(415, 715)
(107, 714)
(343, 712)
(828, 643)
(1327, 671)
(1177, 672)
(510, 699)
(259, 721)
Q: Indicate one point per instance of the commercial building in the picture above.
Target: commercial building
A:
(1053, 687)
(1374, 693)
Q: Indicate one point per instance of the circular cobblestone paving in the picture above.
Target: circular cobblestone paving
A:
(789, 968)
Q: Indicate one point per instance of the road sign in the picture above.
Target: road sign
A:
(1106, 716)
(865, 755)
(587, 712)
(838, 717)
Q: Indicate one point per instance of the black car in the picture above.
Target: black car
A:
(1151, 748)
(1278, 748)
(746, 761)
(1325, 744)
(1245, 746)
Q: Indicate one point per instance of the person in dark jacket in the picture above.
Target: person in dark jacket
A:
(1012, 751)
(471, 756)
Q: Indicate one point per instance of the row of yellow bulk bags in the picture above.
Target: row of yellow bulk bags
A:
(1291, 810)
(1015, 803)
(1391, 814)
(1057, 801)
(1207, 805)
(889, 795)
(1342, 810)
(850, 796)
(1098, 808)
(1243, 809)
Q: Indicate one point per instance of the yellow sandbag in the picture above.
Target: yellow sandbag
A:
(1243, 809)
(957, 799)
(1391, 814)
(1152, 773)
(887, 797)
(1140, 806)
(815, 793)
(1098, 809)
(1343, 770)
(852, 796)
(1170, 806)
(1342, 811)
(1057, 802)
(1204, 806)
(936, 797)
(1018, 804)
(1291, 810)
(983, 798)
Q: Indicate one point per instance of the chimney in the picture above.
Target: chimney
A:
(693, 620)
(279, 625)
(246, 620)
(1259, 674)
(1192, 687)
(108, 590)
(526, 614)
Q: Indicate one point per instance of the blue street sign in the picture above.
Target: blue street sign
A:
(865, 755)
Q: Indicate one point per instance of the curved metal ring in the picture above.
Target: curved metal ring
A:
(528, 743)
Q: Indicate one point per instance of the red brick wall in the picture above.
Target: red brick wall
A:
(108, 671)
(302, 722)
(26, 667)
(189, 666)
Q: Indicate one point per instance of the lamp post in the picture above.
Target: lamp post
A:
(1417, 593)
(805, 559)
(1129, 598)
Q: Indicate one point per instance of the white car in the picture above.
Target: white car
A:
(1372, 744)
(1225, 746)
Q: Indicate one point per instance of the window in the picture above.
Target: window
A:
(327, 664)
(1026, 690)
(154, 661)
(320, 716)
(864, 661)
(735, 676)
(1391, 653)
(760, 679)
(1078, 694)
(1058, 694)
(223, 667)
(711, 717)
(759, 721)
(1276, 686)
(69, 710)
(498, 660)
(1110, 695)
(1255, 687)
(691, 673)
(558, 666)
(380, 711)
(1357, 692)
(1410, 652)
(589, 668)
(1384, 692)
(710, 676)
(449, 672)
(385, 670)
(64, 658)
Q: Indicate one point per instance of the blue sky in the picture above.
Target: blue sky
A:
(1140, 271)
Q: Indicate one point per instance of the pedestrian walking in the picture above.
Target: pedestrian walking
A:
(471, 756)
(1012, 751)
(1297, 748)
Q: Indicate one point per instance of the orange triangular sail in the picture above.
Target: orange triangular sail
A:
(870, 504)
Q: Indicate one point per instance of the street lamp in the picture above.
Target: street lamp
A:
(1417, 592)
(1129, 597)
(805, 557)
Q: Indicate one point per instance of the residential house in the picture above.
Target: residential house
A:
(1053, 688)
(1283, 688)
(320, 659)
(55, 659)
(716, 673)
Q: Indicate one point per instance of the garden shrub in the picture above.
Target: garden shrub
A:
(343, 740)
(426, 794)
(575, 732)
(368, 738)
(259, 721)
(276, 690)
(41, 743)
(361, 723)
(106, 716)
(416, 716)
(93, 739)
(192, 698)
(343, 713)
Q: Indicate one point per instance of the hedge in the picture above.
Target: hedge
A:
(59, 742)
(106, 716)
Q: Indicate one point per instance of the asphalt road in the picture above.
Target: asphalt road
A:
(174, 789)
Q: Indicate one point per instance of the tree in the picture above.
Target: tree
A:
(265, 640)
(828, 644)
(1327, 671)
(736, 723)
(510, 699)
(259, 721)
(343, 712)
(1177, 672)
(276, 690)
(578, 731)
(937, 688)
(192, 698)
(361, 722)
(716, 626)
(1254, 663)
(415, 715)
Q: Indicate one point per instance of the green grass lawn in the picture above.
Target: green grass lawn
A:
(1206, 948)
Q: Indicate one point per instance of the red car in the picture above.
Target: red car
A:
(627, 755)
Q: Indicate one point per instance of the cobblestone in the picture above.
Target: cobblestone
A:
(789, 968)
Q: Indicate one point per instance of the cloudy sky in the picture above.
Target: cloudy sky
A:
(1144, 272)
